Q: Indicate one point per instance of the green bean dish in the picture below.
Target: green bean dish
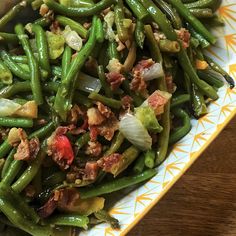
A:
(93, 95)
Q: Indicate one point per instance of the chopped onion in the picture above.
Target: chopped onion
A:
(135, 132)
(155, 71)
(72, 38)
(8, 107)
(28, 110)
(109, 21)
(114, 65)
(88, 83)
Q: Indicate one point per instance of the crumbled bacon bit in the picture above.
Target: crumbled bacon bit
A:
(105, 111)
(126, 102)
(94, 148)
(55, 27)
(94, 116)
(108, 162)
(93, 133)
(184, 35)
(91, 171)
(48, 208)
(170, 84)
(115, 79)
(138, 84)
(75, 113)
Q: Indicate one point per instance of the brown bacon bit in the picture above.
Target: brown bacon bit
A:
(105, 111)
(75, 113)
(94, 148)
(170, 84)
(126, 102)
(184, 35)
(94, 116)
(93, 133)
(91, 171)
(48, 208)
(55, 27)
(114, 79)
(108, 162)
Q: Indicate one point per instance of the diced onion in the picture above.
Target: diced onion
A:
(8, 107)
(155, 71)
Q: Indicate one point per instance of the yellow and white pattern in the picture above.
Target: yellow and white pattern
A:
(133, 206)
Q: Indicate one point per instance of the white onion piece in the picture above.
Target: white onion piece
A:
(153, 72)
(88, 83)
(8, 107)
(135, 132)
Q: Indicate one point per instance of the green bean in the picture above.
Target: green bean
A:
(201, 4)
(115, 145)
(116, 104)
(44, 131)
(122, 30)
(37, 183)
(54, 179)
(66, 59)
(16, 122)
(5, 148)
(104, 216)
(19, 219)
(149, 159)
(8, 38)
(170, 12)
(139, 11)
(167, 45)
(198, 102)
(62, 103)
(105, 85)
(128, 156)
(82, 99)
(116, 184)
(202, 13)
(30, 172)
(180, 132)
(214, 21)
(36, 4)
(33, 64)
(203, 42)
(42, 46)
(15, 69)
(20, 59)
(216, 67)
(139, 33)
(43, 21)
(100, 33)
(73, 25)
(112, 50)
(179, 100)
(152, 44)
(57, 71)
(70, 220)
(12, 13)
(139, 164)
(79, 12)
(211, 78)
(5, 74)
(7, 163)
(194, 42)
(196, 24)
(83, 140)
(20, 202)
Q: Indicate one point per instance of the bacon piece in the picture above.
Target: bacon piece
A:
(115, 79)
(171, 87)
(108, 162)
(126, 102)
(55, 27)
(104, 110)
(91, 171)
(94, 148)
(184, 35)
(48, 208)
(94, 116)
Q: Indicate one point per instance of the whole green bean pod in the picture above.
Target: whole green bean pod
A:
(8, 162)
(115, 145)
(30, 171)
(180, 132)
(116, 104)
(139, 33)
(202, 13)
(12, 13)
(8, 38)
(116, 184)
(66, 59)
(14, 68)
(196, 24)
(201, 4)
(79, 12)
(149, 159)
(5, 148)
(216, 67)
(70, 220)
(170, 12)
(19, 59)
(105, 85)
(62, 101)
(42, 47)
(74, 25)
(139, 11)
(82, 99)
(33, 64)
(16, 122)
(112, 50)
(43, 21)
(167, 45)
(139, 164)
(100, 32)
(211, 78)
(122, 31)
(83, 140)
(179, 100)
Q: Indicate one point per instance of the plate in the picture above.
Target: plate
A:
(130, 209)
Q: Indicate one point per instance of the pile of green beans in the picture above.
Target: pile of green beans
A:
(108, 42)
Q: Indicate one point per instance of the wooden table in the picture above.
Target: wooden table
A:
(203, 201)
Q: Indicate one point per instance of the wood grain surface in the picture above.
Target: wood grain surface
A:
(203, 201)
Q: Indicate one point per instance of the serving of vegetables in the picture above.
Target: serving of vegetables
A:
(93, 94)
